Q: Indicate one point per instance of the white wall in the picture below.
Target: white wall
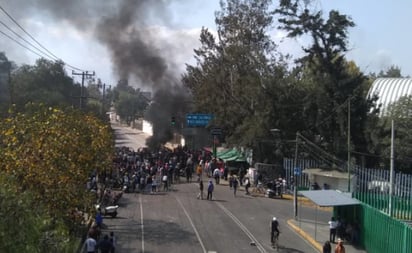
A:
(147, 128)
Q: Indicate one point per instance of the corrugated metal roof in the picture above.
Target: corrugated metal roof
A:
(389, 90)
(330, 198)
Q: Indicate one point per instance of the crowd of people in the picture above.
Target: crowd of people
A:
(147, 172)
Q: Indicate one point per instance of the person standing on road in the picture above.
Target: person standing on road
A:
(339, 247)
(112, 239)
(247, 185)
(154, 185)
(332, 229)
(235, 183)
(210, 189)
(99, 218)
(165, 183)
(274, 227)
(216, 175)
(200, 195)
(90, 244)
(199, 171)
(327, 248)
(105, 246)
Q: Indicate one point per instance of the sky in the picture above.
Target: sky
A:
(170, 31)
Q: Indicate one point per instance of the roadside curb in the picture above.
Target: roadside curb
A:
(305, 236)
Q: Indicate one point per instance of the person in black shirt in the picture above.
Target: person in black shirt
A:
(274, 228)
(105, 246)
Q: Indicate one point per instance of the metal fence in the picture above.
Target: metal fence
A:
(384, 231)
(303, 179)
(373, 189)
(383, 234)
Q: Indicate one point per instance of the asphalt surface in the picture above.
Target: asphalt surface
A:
(176, 221)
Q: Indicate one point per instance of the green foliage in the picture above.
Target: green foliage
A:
(235, 71)
(129, 103)
(46, 82)
(21, 218)
(6, 67)
(393, 72)
(51, 153)
(241, 78)
(331, 82)
(401, 113)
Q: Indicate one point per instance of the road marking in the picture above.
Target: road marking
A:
(141, 220)
(259, 246)
(193, 226)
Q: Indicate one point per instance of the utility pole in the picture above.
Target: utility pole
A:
(349, 144)
(103, 96)
(84, 74)
(392, 168)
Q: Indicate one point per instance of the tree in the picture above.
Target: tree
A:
(46, 82)
(401, 113)
(393, 72)
(51, 153)
(234, 71)
(22, 220)
(331, 81)
(6, 67)
(129, 102)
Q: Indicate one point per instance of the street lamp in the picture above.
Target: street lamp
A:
(296, 171)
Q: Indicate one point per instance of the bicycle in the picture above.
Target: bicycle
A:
(275, 242)
(259, 189)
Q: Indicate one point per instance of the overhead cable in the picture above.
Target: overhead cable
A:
(28, 42)
(18, 42)
(38, 43)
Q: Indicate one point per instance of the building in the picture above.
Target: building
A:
(390, 90)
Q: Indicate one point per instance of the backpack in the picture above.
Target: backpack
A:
(210, 188)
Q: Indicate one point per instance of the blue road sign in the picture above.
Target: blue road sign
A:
(297, 171)
(198, 119)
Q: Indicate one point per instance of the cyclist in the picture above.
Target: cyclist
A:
(274, 230)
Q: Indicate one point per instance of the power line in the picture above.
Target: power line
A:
(18, 42)
(28, 42)
(38, 43)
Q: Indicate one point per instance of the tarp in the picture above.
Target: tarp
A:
(236, 158)
(222, 152)
(227, 155)
(325, 198)
(232, 155)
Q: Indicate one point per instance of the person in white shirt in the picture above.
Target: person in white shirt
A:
(90, 245)
(216, 175)
(333, 224)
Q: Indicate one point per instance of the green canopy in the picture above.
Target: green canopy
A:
(237, 158)
(222, 152)
(232, 155)
(229, 154)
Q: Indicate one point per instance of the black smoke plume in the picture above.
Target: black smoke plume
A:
(122, 26)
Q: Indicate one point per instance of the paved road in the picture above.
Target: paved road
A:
(176, 221)
(129, 137)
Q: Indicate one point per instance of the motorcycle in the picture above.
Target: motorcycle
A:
(108, 210)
